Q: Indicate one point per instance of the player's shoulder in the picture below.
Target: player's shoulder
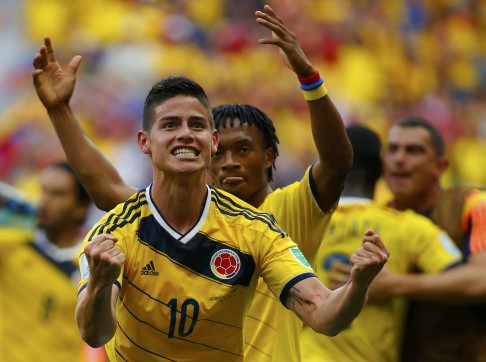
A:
(131, 206)
(410, 217)
(475, 204)
(124, 216)
(231, 205)
(13, 235)
(235, 210)
(475, 194)
(366, 209)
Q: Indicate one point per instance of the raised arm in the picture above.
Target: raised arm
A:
(95, 310)
(332, 143)
(54, 87)
(329, 312)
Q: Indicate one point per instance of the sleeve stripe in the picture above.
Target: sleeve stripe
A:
(285, 291)
(129, 208)
(231, 208)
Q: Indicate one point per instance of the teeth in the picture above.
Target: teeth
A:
(184, 152)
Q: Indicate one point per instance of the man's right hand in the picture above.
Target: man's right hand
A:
(105, 260)
(54, 86)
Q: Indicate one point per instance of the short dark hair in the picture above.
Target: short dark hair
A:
(83, 195)
(435, 135)
(366, 146)
(171, 87)
(225, 114)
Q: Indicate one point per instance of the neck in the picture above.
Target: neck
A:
(64, 238)
(359, 190)
(421, 204)
(358, 184)
(258, 197)
(180, 204)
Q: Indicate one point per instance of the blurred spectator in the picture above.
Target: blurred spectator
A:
(39, 271)
(385, 59)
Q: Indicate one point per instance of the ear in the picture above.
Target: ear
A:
(214, 144)
(269, 157)
(143, 142)
(442, 164)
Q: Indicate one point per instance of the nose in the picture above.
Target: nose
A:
(184, 132)
(229, 161)
(395, 155)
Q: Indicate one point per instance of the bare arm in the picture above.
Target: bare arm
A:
(95, 310)
(465, 283)
(329, 312)
(54, 87)
(333, 146)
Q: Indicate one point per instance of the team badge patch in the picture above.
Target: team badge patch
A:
(295, 251)
(225, 264)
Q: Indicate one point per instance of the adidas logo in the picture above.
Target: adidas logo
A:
(149, 269)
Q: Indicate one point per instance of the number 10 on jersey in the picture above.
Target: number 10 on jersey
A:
(189, 313)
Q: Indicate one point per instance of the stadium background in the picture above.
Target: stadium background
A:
(380, 60)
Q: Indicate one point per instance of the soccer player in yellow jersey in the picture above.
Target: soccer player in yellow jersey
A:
(39, 274)
(242, 165)
(170, 273)
(203, 249)
(414, 242)
(414, 160)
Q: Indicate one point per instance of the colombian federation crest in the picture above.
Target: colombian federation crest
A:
(225, 264)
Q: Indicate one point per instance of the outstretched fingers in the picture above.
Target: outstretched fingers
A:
(270, 20)
(51, 57)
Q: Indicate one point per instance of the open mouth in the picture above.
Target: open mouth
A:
(185, 152)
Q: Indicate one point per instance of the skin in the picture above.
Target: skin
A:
(241, 162)
(60, 211)
(180, 123)
(412, 170)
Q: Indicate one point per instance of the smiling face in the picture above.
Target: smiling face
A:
(180, 139)
(412, 169)
(240, 165)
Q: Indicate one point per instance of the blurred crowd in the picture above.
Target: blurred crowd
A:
(380, 60)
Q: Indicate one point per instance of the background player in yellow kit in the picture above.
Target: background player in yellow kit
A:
(449, 321)
(39, 274)
(415, 244)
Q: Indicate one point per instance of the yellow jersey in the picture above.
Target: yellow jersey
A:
(272, 331)
(38, 298)
(415, 244)
(184, 296)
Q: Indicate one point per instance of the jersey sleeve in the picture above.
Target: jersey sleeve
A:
(474, 222)
(296, 210)
(283, 266)
(432, 248)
